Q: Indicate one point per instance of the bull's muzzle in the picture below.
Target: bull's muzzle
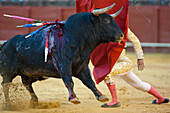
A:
(120, 38)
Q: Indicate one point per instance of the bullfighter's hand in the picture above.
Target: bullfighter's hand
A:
(140, 63)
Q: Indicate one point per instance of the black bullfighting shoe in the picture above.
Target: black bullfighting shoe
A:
(111, 106)
(165, 101)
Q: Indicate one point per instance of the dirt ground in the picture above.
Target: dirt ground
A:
(53, 95)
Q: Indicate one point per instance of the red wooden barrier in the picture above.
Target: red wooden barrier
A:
(67, 11)
(164, 24)
(45, 14)
(149, 23)
(8, 26)
(143, 21)
(157, 30)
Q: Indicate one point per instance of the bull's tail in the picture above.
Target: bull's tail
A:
(1, 56)
(0, 66)
(3, 45)
(0, 62)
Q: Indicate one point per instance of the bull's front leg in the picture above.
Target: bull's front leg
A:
(63, 65)
(7, 78)
(85, 77)
(70, 85)
(66, 74)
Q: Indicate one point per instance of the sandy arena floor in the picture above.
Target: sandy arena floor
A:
(53, 95)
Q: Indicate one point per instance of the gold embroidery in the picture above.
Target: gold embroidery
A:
(136, 44)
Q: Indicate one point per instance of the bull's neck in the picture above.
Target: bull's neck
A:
(93, 45)
(94, 40)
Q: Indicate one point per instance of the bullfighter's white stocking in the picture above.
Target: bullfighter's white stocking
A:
(135, 81)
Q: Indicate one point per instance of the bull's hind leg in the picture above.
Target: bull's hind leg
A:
(28, 84)
(85, 77)
(5, 84)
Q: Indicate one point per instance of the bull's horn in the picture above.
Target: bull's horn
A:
(97, 12)
(117, 13)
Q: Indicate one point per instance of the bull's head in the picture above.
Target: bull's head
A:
(108, 24)
(92, 28)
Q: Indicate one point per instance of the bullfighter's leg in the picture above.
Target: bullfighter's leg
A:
(7, 79)
(135, 81)
(28, 84)
(85, 77)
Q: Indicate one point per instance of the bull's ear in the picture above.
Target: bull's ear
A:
(92, 18)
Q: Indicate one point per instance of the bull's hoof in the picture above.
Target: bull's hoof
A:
(102, 99)
(75, 101)
(33, 104)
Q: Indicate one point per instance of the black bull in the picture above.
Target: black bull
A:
(82, 33)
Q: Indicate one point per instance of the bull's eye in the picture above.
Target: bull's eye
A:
(106, 20)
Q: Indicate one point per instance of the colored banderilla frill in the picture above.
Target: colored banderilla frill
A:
(37, 24)
(23, 18)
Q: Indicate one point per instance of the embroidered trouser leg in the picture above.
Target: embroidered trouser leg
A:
(123, 66)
